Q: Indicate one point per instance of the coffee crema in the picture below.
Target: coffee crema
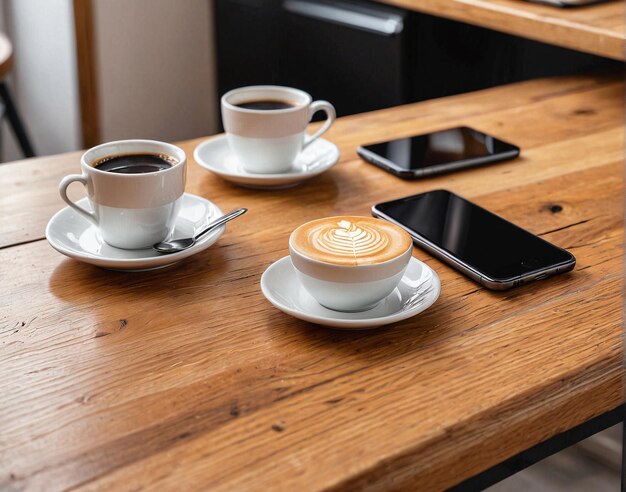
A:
(350, 241)
(266, 104)
(138, 163)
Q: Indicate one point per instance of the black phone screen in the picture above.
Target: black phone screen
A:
(475, 236)
(444, 147)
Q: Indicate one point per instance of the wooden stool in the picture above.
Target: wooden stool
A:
(9, 110)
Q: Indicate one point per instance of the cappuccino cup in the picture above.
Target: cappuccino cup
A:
(349, 263)
(266, 125)
(135, 189)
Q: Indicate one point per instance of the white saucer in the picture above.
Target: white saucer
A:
(215, 156)
(418, 290)
(74, 236)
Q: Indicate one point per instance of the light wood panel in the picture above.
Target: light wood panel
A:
(596, 29)
(187, 378)
(87, 80)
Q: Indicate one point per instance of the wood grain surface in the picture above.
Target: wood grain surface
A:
(597, 29)
(188, 379)
(86, 71)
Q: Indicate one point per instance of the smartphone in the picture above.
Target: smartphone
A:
(487, 248)
(437, 153)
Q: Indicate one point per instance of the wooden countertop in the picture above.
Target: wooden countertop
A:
(187, 378)
(597, 29)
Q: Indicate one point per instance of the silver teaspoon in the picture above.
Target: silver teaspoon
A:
(176, 245)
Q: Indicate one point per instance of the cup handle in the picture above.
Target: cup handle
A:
(330, 117)
(65, 182)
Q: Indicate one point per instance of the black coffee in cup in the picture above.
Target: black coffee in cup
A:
(135, 163)
(266, 104)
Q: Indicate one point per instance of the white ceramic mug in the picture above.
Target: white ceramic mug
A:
(131, 211)
(349, 288)
(268, 141)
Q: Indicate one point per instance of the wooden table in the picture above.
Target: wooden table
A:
(187, 378)
(597, 29)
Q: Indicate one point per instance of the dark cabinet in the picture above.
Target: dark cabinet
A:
(353, 54)
(362, 55)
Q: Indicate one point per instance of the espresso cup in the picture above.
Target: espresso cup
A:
(135, 210)
(349, 263)
(266, 125)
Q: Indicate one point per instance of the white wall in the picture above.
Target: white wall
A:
(155, 69)
(43, 79)
(154, 65)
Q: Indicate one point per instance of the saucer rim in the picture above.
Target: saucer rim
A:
(146, 263)
(367, 323)
(259, 178)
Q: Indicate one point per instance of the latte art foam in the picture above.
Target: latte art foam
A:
(350, 240)
(346, 238)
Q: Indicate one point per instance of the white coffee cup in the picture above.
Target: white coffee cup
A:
(131, 211)
(355, 287)
(267, 141)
